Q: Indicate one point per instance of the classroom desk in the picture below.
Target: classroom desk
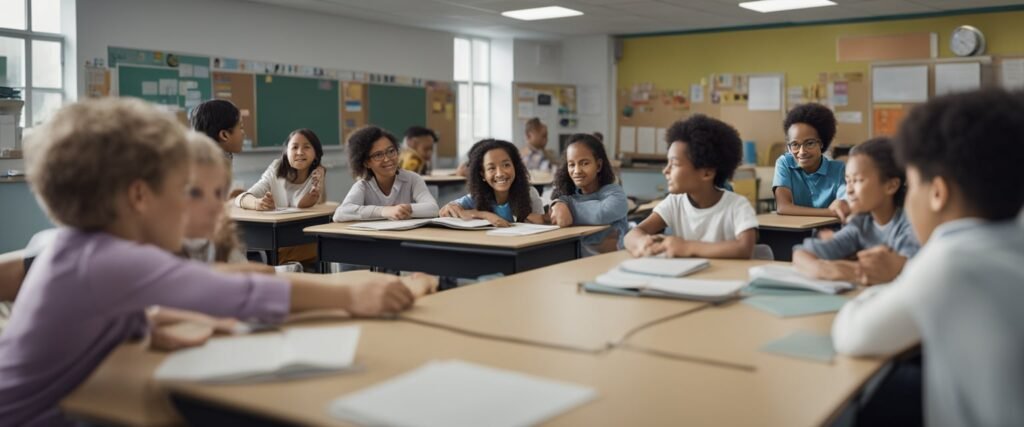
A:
(634, 386)
(448, 252)
(782, 232)
(545, 306)
(269, 232)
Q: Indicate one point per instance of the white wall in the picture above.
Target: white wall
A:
(502, 76)
(587, 63)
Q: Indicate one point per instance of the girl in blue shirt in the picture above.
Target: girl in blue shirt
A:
(499, 187)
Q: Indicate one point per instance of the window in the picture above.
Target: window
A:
(472, 73)
(32, 56)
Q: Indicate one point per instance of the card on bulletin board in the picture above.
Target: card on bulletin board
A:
(627, 139)
(645, 140)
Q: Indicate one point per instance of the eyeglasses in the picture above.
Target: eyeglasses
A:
(808, 145)
(390, 153)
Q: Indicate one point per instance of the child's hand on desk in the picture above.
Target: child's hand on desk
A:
(649, 245)
(173, 329)
(847, 271)
(840, 209)
(397, 212)
(266, 203)
(673, 247)
(561, 215)
(379, 294)
(879, 265)
(452, 210)
(492, 218)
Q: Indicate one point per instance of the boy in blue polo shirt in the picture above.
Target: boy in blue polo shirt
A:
(806, 182)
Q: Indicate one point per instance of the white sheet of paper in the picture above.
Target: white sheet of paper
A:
(646, 139)
(1012, 74)
(185, 70)
(150, 88)
(764, 93)
(525, 110)
(660, 145)
(590, 100)
(627, 139)
(169, 87)
(957, 77)
(201, 71)
(483, 395)
(521, 229)
(849, 117)
(899, 83)
(696, 93)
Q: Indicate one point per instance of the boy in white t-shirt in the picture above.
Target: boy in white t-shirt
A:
(705, 220)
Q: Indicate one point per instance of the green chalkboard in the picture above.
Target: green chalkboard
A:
(289, 103)
(130, 82)
(185, 68)
(3, 69)
(395, 108)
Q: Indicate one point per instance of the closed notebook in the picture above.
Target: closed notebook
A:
(521, 229)
(294, 353)
(454, 393)
(409, 224)
(664, 267)
(777, 276)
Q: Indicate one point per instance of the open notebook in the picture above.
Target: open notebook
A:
(783, 277)
(454, 393)
(621, 282)
(521, 229)
(409, 224)
(294, 353)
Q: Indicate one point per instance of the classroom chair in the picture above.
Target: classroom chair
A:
(764, 252)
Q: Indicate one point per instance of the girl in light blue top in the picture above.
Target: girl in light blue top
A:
(879, 234)
(586, 194)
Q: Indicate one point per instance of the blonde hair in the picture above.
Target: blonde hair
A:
(205, 152)
(87, 155)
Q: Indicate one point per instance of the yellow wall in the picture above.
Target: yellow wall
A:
(676, 61)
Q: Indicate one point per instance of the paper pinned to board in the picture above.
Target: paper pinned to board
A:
(764, 93)
(660, 145)
(646, 140)
(627, 139)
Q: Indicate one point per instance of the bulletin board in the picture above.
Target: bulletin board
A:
(144, 82)
(192, 73)
(887, 116)
(354, 113)
(554, 104)
(240, 89)
(441, 116)
(644, 106)
(848, 94)
(289, 103)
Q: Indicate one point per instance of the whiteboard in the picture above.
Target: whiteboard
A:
(764, 93)
(957, 77)
(899, 83)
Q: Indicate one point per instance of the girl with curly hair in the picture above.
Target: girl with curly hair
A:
(499, 187)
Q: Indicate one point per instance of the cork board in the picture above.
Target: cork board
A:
(239, 88)
(441, 116)
(354, 111)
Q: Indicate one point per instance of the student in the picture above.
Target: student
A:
(806, 182)
(297, 172)
(382, 190)
(222, 122)
(879, 233)
(535, 154)
(210, 235)
(706, 220)
(586, 194)
(419, 149)
(960, 296)
(499, 187)
(120, 198)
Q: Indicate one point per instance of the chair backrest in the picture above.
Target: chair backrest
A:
(774, 151)
(763, 252)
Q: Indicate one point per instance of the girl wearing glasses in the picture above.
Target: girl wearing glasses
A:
(382, 189)
(806, 182)
(296, 177)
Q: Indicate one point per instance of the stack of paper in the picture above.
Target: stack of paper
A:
(522, 229)
(294, 353)
(777, 276)
(409, 224)
(456, 393)
(659, 277)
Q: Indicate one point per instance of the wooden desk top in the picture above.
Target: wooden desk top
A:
(649, 206)
(545, 305)
(437, 178)
(246, 215)
(541, 178)
(432, 234)
(774, 221)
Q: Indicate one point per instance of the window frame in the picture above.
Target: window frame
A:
(472, 84)
(27, 37)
